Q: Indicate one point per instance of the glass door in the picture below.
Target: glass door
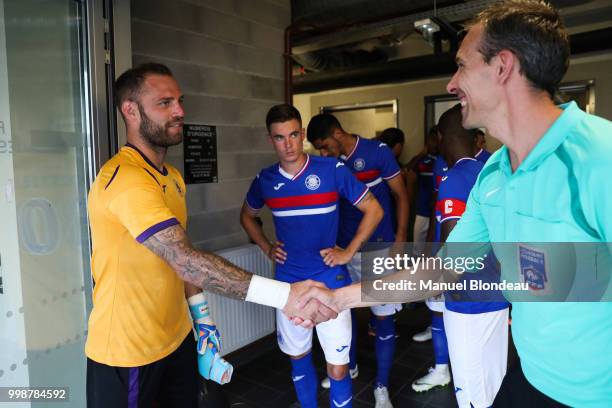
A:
(45, 162)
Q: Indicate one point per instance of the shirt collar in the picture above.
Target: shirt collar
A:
(343, 157)
(298, 174)
(550, 141)
(464, 158)
(163, 171)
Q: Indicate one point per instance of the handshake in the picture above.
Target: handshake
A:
(311, 302)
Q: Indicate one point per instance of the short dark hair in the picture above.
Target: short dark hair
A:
(127, 86)
(392, 137)
(282, 113)
(534, 32)
(450, 126)
(322, 126)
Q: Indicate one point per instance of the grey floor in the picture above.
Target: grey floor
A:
(266, 380)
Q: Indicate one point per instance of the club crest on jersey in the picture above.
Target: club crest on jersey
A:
(359, 164)
(312, 182)
(533, 268)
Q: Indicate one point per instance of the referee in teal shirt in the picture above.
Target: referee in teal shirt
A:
(548, 183)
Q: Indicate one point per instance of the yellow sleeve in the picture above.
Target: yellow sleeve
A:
(142, 211)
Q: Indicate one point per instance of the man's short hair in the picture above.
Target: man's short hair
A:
(322, 126)
(392, 137)
(282, 113)
(450, 126)
(128, 85)
(534, 32)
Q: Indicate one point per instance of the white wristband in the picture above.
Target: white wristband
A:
(196, 299)
(268, 292)
(198, 307)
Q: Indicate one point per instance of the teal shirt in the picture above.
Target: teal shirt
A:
(562, 192)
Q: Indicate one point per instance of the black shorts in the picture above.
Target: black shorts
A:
(170, 382)
(517, 392)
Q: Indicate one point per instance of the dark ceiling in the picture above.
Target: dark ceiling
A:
(313, 16)
(342, 43)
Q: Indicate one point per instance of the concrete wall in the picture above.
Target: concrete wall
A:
(367, 122)
(227, 57)
(411, 105)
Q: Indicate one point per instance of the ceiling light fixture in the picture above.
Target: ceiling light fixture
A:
(427, 28)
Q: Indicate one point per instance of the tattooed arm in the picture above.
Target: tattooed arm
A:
(215, 274)
(202, 269)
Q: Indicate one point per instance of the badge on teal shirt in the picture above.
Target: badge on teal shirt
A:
(533, 267)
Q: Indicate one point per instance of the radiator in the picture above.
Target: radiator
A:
(242, 323)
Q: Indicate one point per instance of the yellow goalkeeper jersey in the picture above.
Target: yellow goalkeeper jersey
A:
(139, 314)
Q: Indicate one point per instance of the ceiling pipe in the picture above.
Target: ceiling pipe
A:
(449, 32)
(422, 67)
(332, 36)
(392, 71)
(591, 41)
(289, 49)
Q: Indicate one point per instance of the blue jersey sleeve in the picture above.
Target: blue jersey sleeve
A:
(439, 171)
(348, 186)
(254, 197)
(388, 165)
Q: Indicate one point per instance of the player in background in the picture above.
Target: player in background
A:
(476, 323)
(420, 178)
(303, 193)
(372, 163)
